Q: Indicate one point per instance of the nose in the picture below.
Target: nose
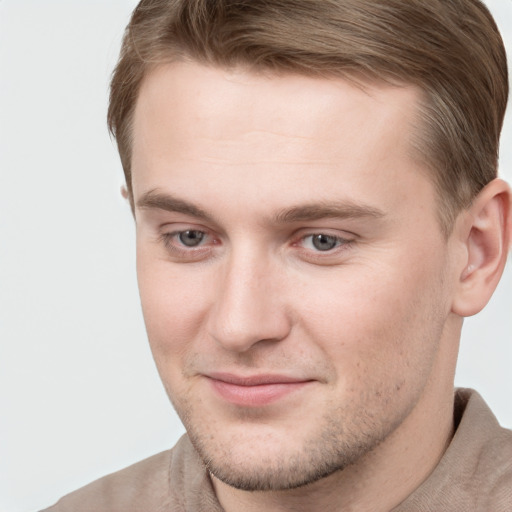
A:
(249, 304)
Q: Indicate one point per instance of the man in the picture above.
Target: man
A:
(317, 209)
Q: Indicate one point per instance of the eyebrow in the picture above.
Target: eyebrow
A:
(325, 210)
(302, 213)
(158, 201)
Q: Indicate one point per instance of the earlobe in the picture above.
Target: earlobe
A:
(486, 236)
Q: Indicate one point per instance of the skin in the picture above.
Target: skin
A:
(253, 167)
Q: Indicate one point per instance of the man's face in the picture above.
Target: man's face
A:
(294, 279)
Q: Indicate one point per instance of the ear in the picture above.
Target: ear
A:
(485, 232)
(128, 195)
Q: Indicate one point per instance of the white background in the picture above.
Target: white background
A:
(79, 395)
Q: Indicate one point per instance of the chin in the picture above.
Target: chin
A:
(278, 460)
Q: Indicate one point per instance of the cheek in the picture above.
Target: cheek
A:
(173, 304)
(379, 322)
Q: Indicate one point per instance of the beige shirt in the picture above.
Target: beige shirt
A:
(474, 475)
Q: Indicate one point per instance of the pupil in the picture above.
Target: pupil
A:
(191, 238)
(324, 242)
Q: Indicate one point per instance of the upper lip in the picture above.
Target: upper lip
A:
(255, 380)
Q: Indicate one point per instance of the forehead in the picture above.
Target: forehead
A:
(271, 135)
(237, 101)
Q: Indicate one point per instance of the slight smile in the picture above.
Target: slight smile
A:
(255, 391)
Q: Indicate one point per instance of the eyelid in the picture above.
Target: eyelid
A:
(341, 240)
(342, 235)
(168, 236)
(338, 241)
(174, 228)
(329, 257)
(168, 239)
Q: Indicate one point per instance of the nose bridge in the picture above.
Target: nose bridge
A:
(249, 303)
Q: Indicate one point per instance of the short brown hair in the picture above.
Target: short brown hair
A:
(450, 49)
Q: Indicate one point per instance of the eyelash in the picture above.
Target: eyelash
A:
(340, 241)
(331, 256)
(196, 253)
(168, 240)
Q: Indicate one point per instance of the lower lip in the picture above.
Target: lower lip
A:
(255, 396)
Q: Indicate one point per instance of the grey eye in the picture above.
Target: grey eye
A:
(324, 242)
(191, 237)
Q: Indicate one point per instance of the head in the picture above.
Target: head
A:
(313, 190)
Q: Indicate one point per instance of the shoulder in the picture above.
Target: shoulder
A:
(475, 473)
(493, 472)
(483, 454)
(141, 486)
